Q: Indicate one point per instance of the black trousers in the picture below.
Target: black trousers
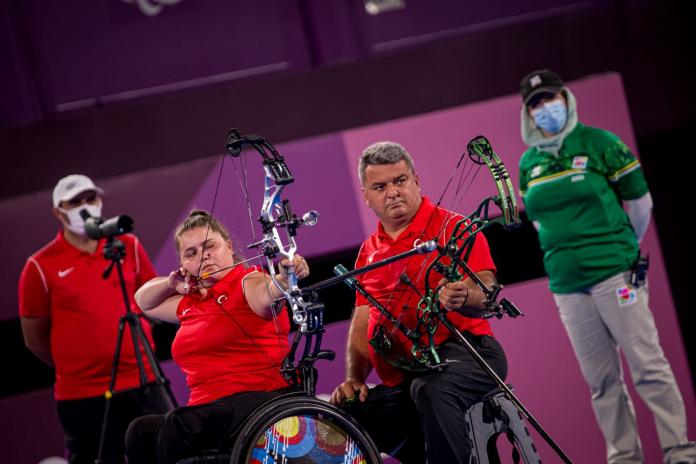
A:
(423, 418)
(82, 422)
(189, 430)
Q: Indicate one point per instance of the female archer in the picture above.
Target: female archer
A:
(230, 344)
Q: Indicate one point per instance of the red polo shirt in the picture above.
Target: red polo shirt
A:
(224, 347)
(66, 285)
(383, 283)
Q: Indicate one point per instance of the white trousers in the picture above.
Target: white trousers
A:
(607, 317)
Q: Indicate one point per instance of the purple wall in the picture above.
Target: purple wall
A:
(29, 427)
(185, 46)
(422, 21)
(59, 57)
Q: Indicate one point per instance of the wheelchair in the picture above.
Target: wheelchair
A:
(297, 427)
(302, 429)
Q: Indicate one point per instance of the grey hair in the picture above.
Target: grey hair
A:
(384, 152)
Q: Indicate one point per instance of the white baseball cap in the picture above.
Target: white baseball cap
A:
(70, 186)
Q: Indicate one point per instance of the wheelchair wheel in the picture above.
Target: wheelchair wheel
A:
(302, 430)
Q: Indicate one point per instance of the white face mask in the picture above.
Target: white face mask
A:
(77, 224)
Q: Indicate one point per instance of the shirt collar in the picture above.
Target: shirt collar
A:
(417, 225)
(222, 286)
(69, 247)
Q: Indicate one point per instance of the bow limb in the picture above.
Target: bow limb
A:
(481, 152)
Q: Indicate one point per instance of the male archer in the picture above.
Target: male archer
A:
(409, 406)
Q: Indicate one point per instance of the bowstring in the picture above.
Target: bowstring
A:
(467, 172)
(244, 184)
(210, 219)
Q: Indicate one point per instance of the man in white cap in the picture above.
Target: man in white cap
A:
(70, 318)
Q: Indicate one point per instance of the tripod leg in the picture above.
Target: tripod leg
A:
(132, 320)
(139, 335)
(110, 391)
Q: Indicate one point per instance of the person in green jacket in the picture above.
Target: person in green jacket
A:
(574, 180)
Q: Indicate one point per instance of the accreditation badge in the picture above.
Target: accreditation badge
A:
(580, 162)
(626, 295)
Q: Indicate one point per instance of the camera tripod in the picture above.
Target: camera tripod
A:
(114, 250)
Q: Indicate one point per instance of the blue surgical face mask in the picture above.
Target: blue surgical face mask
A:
(551, 117)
